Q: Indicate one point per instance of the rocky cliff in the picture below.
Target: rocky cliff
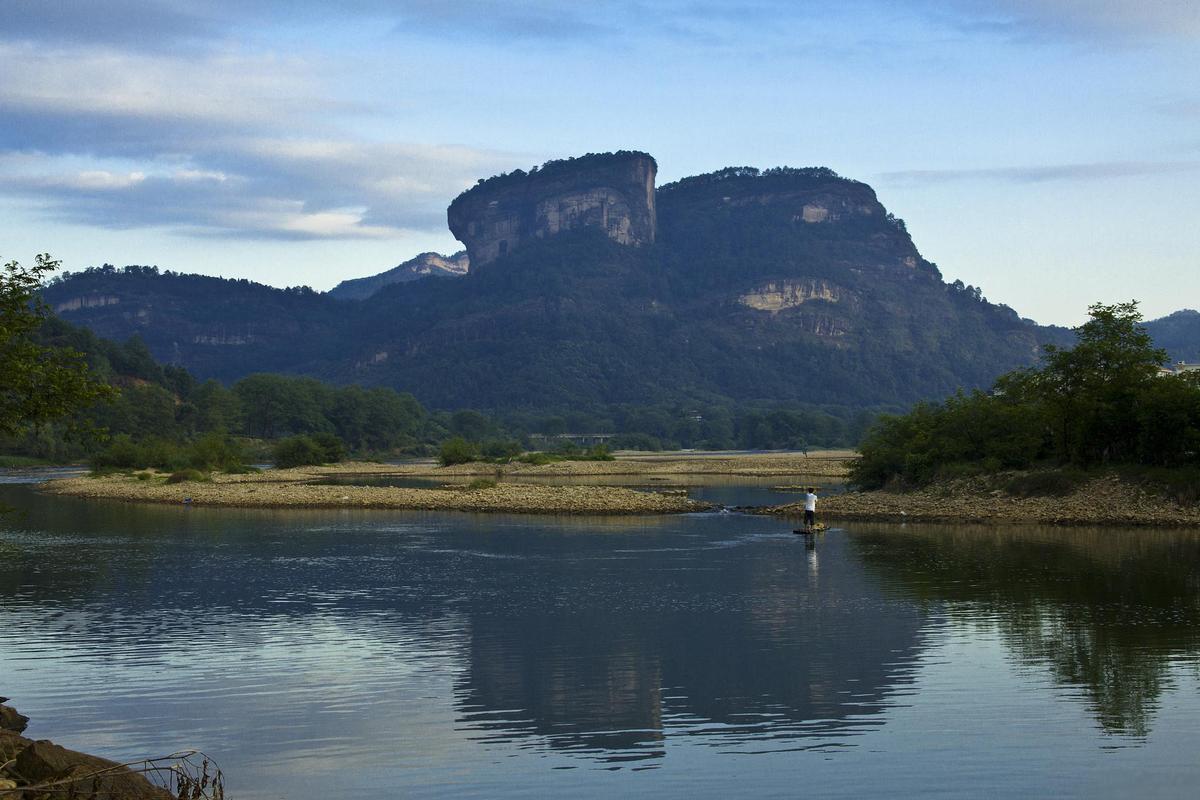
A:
(611, 192)
(423, 266)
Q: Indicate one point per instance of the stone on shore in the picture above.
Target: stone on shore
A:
(10, 720)
(86, 776)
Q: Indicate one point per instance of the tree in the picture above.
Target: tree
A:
(1091, 390)
(38, 383)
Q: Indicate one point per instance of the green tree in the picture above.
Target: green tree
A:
(457, 450)
(38, 383)
(1091, 390)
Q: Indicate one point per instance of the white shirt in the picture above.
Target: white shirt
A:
(810, 502)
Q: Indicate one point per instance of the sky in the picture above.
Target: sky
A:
(1047, 151)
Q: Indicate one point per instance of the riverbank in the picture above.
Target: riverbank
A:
(294, 489)
(308, 487)
(39, 768)
(824, 464)
(1106, 501)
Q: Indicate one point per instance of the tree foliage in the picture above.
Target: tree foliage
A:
(1100, 402)
(38, 383)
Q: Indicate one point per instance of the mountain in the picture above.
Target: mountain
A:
(423, 266)
(1179, 335)
(589, 288)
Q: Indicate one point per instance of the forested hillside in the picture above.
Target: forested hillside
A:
(785, 288)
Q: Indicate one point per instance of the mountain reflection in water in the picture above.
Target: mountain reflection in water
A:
(740, 643)
(372, 653)
(1108, 611)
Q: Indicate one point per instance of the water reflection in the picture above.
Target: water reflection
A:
(371, 653)
(740, 646)
(1108, 612)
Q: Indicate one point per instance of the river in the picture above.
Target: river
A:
(320, 654)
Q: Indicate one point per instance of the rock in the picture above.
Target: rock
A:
(44, 761)
(612, 192)
(11, 744)
(10, 720)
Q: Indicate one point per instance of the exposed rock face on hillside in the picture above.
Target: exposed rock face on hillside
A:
(779, 285)
(612, 192)
(423, 266)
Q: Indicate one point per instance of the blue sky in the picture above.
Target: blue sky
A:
(1048, 151)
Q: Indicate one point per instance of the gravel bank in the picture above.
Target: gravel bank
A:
(817, 464)
(1105, 501)
(291, 489)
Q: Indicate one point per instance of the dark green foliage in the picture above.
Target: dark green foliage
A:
(38, 383)
(213, 451)
(457, 450)
(297, 451)
(216, 451)
(636, 441)
(578, 324)
(1101, 402)
(501, 450)
(481, 483)
(332, 448)
(184, 475)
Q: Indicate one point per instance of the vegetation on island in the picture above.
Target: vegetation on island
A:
(1103, 404)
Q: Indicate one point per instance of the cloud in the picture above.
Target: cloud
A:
(211, 142)
(141, 23)
(1087, 19)
(1042, 174)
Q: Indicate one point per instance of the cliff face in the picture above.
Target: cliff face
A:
(424, 265)
(612, 192)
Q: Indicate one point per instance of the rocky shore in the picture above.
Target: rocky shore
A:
(308, 487)
(825, 464)
(41, 769)
(1102, 501)
(294, 489)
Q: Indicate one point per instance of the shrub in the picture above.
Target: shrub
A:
(457, 451)
(297, 451)
(188, 475)
(481, 483)
(215, 451)
(1056, 483)
(502, 450)
(333, 449)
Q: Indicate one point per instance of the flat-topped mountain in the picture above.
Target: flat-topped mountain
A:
(423, 266)
(781, 285)
(610, 192)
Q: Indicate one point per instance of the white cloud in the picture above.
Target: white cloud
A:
(213, 142)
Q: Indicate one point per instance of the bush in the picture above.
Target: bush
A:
(457, 451)
(502, 451)
(481, 483)
(1056, 483)
(188, 475)
(636, 441)
(215, 451)
(297, 451)
(332, 448)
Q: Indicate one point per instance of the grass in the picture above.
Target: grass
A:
(184, 475)
(20, 462)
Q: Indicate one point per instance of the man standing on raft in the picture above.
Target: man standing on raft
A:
(810, 509)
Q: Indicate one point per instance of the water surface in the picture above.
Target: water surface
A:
(366, 654)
